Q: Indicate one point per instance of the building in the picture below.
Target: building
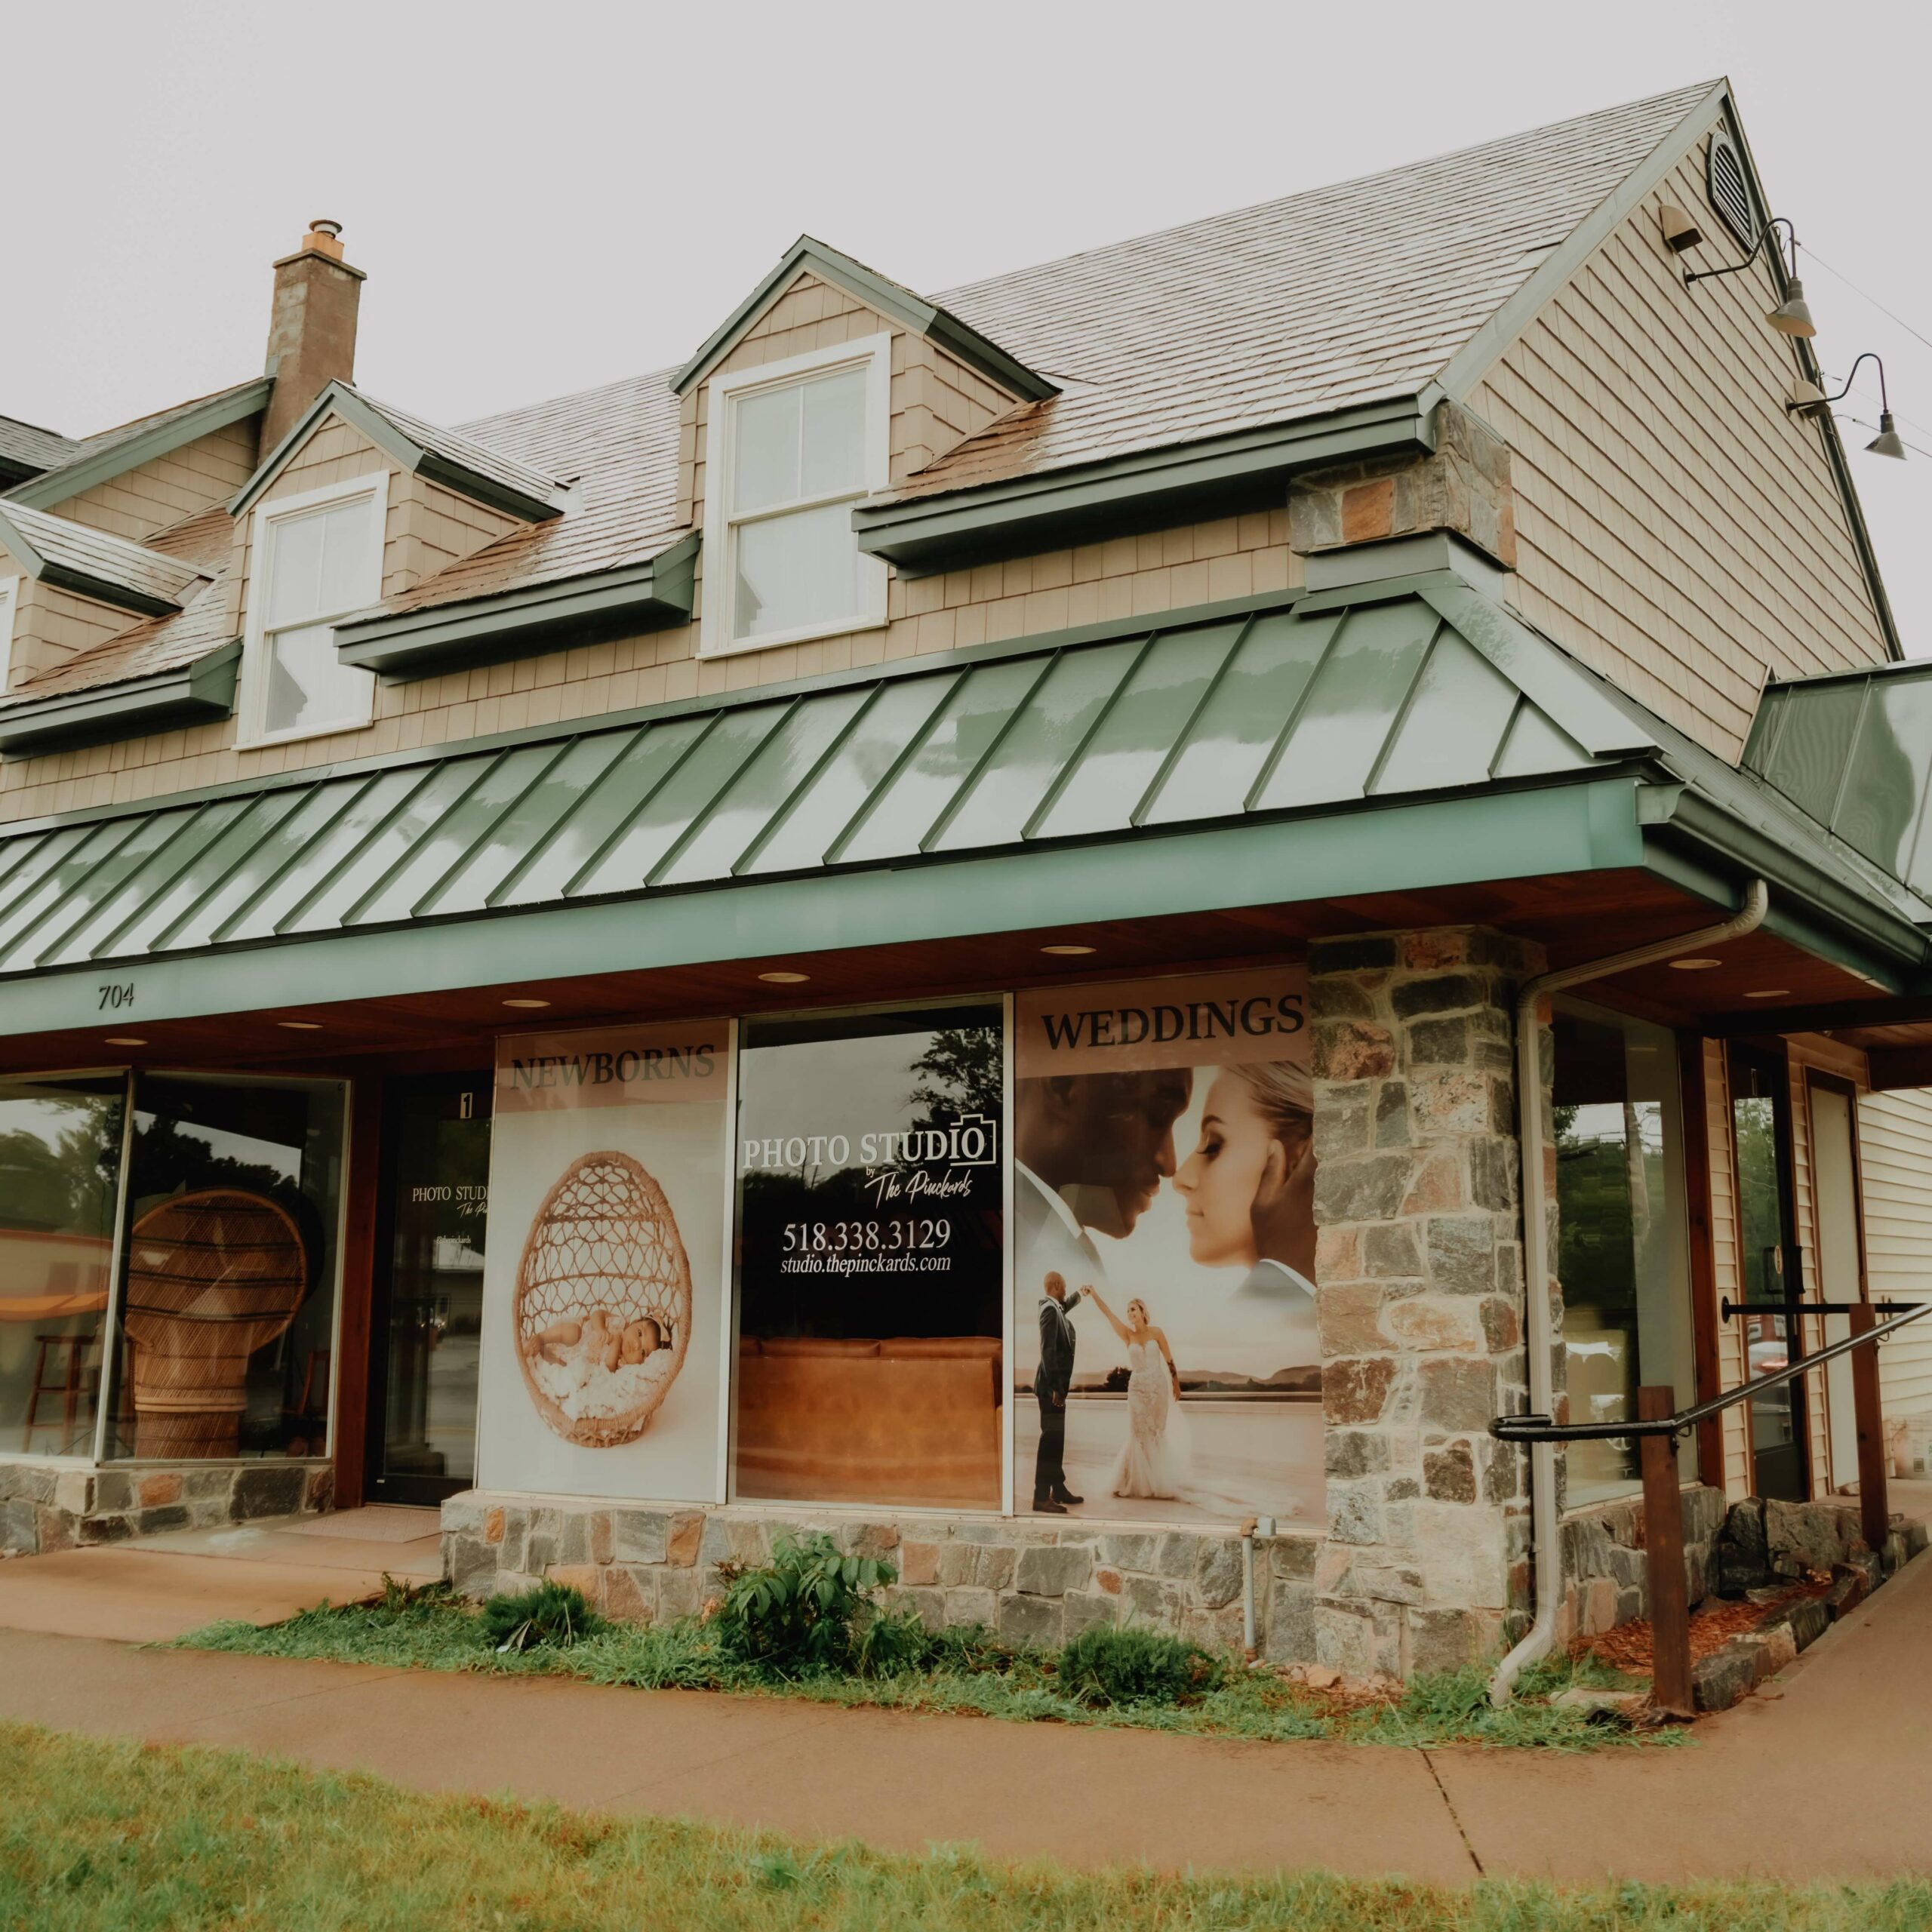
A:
(592, 966)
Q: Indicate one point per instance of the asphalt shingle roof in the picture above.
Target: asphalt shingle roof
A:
(94, 553)
(1315, 303)
(32, 447)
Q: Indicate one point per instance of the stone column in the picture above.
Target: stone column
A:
(1419, 1276)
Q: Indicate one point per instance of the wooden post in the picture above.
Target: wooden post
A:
(354, 1341)
(1663, 1544)
(1874, 1505)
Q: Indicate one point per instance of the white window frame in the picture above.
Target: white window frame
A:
(874, 354)
(254, 707)
(10, 604)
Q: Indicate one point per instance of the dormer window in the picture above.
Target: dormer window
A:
(9, 596)
(314, 560)
(790, 448)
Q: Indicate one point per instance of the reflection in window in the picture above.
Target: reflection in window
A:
(59, 1160)
(228, 1297)
(870, 1259)
(1627, 1310)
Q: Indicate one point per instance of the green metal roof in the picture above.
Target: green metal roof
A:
(1234, 715)
(1854, 750)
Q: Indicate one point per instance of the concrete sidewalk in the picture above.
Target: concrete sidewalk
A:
(160, 1587)
(1826, 1775)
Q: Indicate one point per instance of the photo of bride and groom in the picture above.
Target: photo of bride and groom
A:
(1164, 1182)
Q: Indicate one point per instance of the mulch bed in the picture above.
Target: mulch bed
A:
(1713, 1625)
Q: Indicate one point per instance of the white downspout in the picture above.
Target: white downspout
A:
(1545, 1530)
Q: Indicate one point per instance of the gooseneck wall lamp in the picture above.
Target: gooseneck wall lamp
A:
(1808, 400)
(1791, 317)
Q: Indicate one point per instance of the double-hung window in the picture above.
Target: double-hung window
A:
(789, 448)
(315, 559)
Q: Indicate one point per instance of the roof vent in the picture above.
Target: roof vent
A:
(1729, 190)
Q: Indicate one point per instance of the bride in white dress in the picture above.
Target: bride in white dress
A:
(1151, 1462)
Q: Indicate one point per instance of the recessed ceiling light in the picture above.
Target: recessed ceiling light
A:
(785, 979)
(301, 1025)
(1694, 965)
(122, 1040)
(531, 1003)
(1769, 992)
(1067, 952)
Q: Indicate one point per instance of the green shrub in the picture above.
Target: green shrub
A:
(810, 1609)
(553, 1614)
(1131, 1665)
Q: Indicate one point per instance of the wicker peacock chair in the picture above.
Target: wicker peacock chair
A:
(212, 1277)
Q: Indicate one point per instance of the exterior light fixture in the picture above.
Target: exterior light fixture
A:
(1769, 992)
(301, 1025)
(531, 1005)
(785, 979)
(1791, 317)
(122, 1040)
(1694, 965)
(1068, 952)
(1807, 400)
(1680, 231)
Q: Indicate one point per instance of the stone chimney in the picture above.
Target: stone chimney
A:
(311, 327)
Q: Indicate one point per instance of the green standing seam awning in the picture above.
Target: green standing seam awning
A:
(1854, 750)
(912, 802)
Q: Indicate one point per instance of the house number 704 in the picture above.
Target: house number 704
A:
(115, 995)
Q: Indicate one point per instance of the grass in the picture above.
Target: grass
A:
(429, 1629)
(113, 1837)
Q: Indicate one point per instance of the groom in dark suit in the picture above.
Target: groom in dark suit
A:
(1051, 1381)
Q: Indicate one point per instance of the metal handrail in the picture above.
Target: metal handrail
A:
(1731, 1310)
(1657, 1428)
(1542, 1429)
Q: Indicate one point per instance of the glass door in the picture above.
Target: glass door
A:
(428, 1318)
(1772, 1273)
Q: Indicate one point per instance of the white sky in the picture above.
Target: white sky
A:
(545, 198)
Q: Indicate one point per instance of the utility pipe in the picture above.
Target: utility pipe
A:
(1248, 1645)
(1545, 1530)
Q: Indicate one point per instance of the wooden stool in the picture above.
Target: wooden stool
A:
(70, 1388)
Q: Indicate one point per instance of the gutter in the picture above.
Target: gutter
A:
(1825, 902)
(195, 694)
(1545, 1526)
(649, 595)
(924, 533)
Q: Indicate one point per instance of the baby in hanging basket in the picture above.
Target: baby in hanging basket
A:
(600, 1340)
(603, 1303)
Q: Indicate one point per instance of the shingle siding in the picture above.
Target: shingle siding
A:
(1677, 531)
(183, 483)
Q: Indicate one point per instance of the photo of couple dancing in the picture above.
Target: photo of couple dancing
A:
(1165, 1239)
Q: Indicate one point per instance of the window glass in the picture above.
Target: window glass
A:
(322, 565)
(228, 1294)
(765, 462)
(307, 683)
(870, 1259)
(796, 570)
(59, 1165)
(797, 457)
(1627, 1310)
(834, 453)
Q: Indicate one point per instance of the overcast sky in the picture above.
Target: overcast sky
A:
(546, 197)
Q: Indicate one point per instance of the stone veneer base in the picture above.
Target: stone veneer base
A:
(45, 1507)
(1033, 1581)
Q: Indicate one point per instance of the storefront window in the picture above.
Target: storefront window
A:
(59, 1164)
(228, 1295)
(1626, 1305)
(869, 1259)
